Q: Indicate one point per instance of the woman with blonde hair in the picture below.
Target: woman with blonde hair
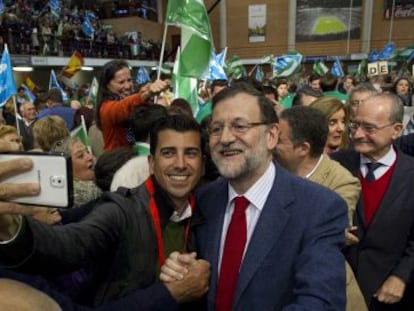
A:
(337, 115)
(9, 134)
(48, 130)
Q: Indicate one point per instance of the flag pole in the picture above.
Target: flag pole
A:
(164, 39)
(16, 113)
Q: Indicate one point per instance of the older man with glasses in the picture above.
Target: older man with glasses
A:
(383, 256)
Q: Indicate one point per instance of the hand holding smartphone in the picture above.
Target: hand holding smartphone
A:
(53, 171)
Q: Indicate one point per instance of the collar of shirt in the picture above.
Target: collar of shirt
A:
(315, 167)
(186, 214)
(257, 194)
(387, 161)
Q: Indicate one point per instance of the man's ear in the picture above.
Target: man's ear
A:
(272, 136)
(304, 148)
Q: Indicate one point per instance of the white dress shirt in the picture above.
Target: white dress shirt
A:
(257, 196)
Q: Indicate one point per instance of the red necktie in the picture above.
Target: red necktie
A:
(232, 255)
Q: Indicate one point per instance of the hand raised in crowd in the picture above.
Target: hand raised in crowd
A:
(155, 88)
(186, 277)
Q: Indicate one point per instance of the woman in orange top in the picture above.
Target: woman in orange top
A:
(116, 103)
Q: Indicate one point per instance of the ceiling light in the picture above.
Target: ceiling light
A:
(23, 68)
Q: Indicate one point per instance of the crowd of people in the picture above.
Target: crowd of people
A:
(33, 28)
(270, 196)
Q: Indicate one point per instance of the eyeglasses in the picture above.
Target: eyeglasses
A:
(356, 102)
(237, 127)
(367, 128)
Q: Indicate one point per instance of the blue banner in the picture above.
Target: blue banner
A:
(7, 84)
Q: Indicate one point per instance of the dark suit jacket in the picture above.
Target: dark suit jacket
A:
(293, 261)
(387, 246)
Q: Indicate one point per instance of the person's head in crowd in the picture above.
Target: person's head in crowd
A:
(18, 296)
(9, 134)
(243, 133)
(404, 88)
(217, 86)
(377, 82)
(143, 119)
(360, 93)
(176, 156)
(328, 83)
(306, 96)
(348, 83)
(303, 134)
(337, 117)
(269, 92)
(28, 111)
(20, 91)
(49, 130)
(75, 104)
(282, 87)
(376, 125)
(41, 101)
(180, 105)
(82, 160)
(315, 82)
(108, 164)
(115, 82)
(54, 97)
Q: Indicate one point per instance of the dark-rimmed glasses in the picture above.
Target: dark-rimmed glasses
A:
(236, 127)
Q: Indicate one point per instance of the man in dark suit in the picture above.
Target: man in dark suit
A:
(292, 230)
(383, 259)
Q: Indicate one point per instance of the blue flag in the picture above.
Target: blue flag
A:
(87, 27)
(216, 66)
(1, 7)
(336, 69)
(90, 15)
(142, 76)
(387, 51)
(54, 84)
(7, 84)
(28, 93)
(259, 73)
(54, 7)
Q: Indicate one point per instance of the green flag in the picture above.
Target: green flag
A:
(196, 39)
(320, 68)
(184, 87)
(82, 134)
(235, 68)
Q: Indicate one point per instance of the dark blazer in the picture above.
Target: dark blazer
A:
(293, 261)
(387, 246)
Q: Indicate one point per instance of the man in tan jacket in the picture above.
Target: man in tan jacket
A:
(303, 134)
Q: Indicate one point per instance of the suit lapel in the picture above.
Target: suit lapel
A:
(269, 228)
(392, 193)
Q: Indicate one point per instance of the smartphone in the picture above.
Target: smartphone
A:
(53, 171)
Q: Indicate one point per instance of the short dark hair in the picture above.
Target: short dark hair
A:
(307, 125)
(109, 163)
(55, 95)
(268, 114)
(328, 83)
(218, 82)
(177, 122)
(314, 77)
(305, 90)
(144, 117)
